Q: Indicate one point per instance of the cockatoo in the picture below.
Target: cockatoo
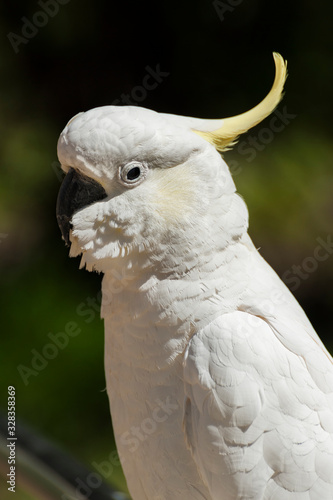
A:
(219, 387)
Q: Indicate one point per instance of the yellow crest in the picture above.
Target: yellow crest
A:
(230, 128)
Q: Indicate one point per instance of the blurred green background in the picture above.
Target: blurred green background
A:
(212, 59)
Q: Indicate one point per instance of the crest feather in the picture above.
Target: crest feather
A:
(226, 135)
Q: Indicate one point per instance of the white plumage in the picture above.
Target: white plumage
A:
(219, 387)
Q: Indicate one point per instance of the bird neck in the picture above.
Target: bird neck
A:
(155, 314)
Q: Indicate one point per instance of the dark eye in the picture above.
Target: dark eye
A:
(133, 173)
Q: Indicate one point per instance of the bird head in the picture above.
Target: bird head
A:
(143, 188)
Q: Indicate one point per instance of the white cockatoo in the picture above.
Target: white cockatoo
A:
(219, 386)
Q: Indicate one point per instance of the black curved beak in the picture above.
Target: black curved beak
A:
(76, 191)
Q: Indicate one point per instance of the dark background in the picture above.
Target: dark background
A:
(216, 60)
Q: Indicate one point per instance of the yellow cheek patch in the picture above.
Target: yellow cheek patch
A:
(173, 193)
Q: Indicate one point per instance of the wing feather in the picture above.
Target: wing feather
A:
(255, 419)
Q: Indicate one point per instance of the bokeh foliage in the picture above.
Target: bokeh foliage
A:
(218, 64)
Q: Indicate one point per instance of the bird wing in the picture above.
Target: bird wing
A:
(255, 420)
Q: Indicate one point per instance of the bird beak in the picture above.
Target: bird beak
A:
(77, 191)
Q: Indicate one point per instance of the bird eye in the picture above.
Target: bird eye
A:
(133, 173)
